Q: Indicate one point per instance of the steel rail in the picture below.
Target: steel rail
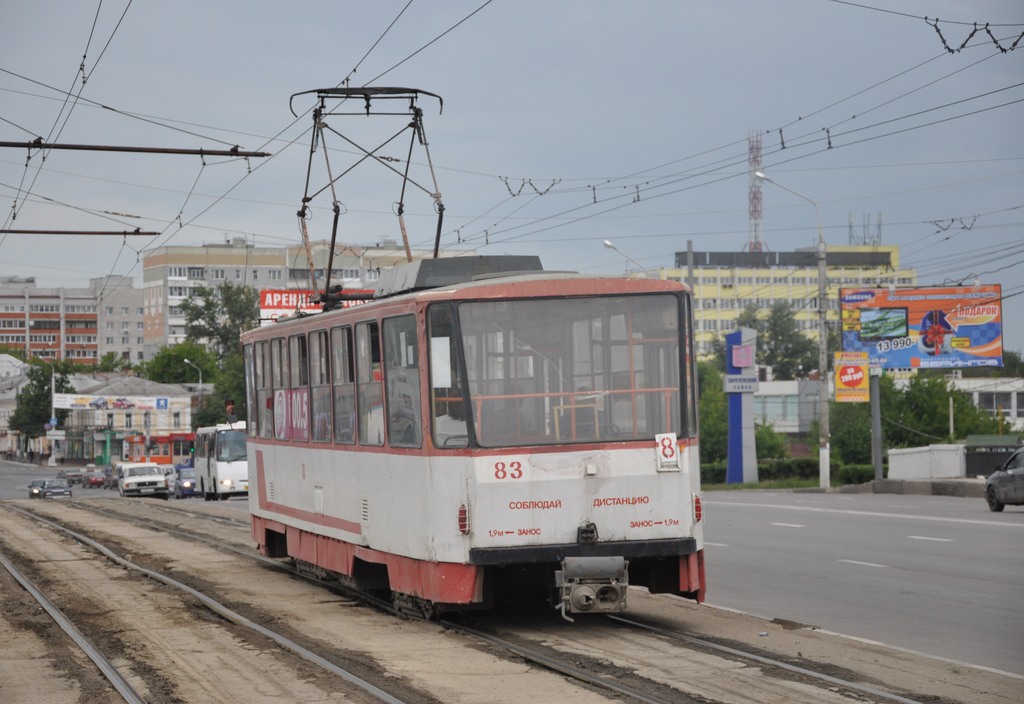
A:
(224, 611)
(110, 672)
(693, 640)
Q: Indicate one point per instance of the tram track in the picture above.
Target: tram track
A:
(551, 645)
(545, 659)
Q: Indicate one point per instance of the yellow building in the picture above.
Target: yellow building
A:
(726, 283)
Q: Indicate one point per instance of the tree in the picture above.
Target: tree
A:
(112, 362)
(714, 423)
(34, 402)
(168, 364)
(220, 315)
(850, 429)
(769, 444)
(780, 344)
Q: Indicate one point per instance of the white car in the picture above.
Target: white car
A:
(142, 479)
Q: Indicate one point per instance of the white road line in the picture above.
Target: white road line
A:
(788, 525)
(925, 537)
(715, 545)
(850, 512)
(865, 564)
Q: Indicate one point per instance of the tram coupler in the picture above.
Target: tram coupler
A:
(592, 584)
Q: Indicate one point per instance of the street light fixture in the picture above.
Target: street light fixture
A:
(609, 245)
(200, 380)
(823, 429)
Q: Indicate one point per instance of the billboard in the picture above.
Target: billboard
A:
(851, 377)
(78, 402)
(281, 303)
(924, 328)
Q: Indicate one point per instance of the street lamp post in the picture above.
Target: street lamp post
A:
(609, 245)
(200, 380)
(823, 396)
(53, 389)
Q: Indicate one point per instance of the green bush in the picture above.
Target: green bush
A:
(788, 468)
(712, 473)
(856, 473)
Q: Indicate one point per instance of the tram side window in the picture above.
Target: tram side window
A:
(251, 413)
(279, 381)
(344, 379)
(264, 390)
(447, 403)
(298, 393)
(402, 376)
(319, 386)
(371, 401)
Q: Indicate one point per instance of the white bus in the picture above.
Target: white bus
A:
(222, 468)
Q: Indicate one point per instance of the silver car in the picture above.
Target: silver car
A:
(1006, 484)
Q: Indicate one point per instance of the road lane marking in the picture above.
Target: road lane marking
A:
(873, 514)
(715, 545)
(925, 537)
(787, 525)
(864, 564)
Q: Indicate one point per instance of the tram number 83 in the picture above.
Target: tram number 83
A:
(512, 470)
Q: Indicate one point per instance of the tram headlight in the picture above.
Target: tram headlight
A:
(225, 482)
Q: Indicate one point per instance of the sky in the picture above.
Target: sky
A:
(565, 123)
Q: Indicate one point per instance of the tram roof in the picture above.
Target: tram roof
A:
(426, 274)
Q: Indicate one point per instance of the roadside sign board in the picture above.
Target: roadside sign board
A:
(740, 383)
(944, 327)
(851, 377)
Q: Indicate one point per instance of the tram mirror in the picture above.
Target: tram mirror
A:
(440, 362)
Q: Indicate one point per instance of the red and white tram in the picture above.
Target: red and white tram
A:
(463, 437)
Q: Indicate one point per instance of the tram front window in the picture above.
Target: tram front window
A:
(576, 370)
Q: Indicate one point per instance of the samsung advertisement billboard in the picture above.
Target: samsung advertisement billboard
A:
(924, 328)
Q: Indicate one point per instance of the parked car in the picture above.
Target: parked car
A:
(55, 489)
(1006, 484)
(35, 489)
(71, 476)
(185, 483)
(142, 479)
(93, 479)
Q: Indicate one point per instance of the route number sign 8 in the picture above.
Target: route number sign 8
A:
(667, 447)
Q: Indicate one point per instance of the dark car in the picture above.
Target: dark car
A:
(1006, 484)
(98, 402)
(35, 489)
(55, 489)
(185, 482)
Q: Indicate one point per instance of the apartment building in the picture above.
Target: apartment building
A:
(171, 273)
(49, 323)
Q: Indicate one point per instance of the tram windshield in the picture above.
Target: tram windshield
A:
(555, 371)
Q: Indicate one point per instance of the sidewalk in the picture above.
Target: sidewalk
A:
(969, 487)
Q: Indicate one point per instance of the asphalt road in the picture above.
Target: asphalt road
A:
(937, 575)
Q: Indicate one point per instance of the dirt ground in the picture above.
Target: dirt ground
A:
(178, 651)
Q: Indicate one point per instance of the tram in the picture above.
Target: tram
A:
(483, 430)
